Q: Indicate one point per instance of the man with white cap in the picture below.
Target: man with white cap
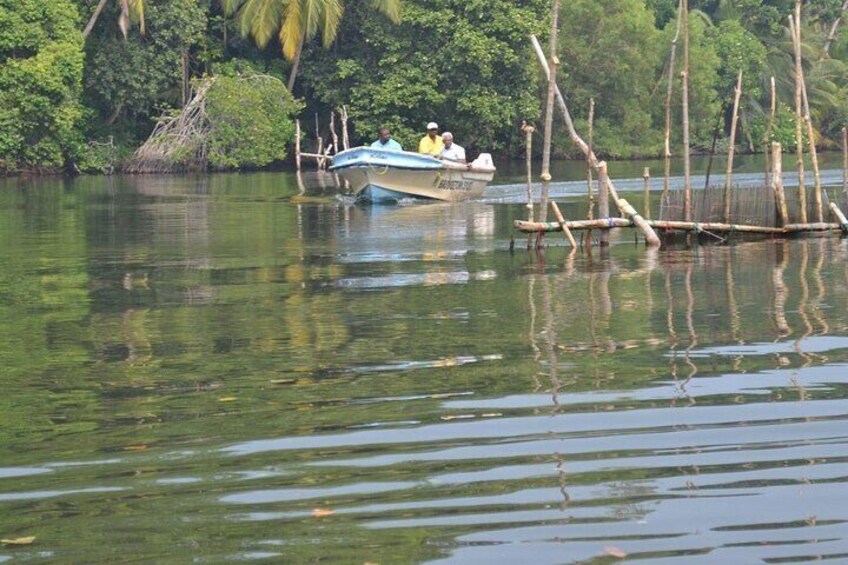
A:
(452, 151)
(431, 144)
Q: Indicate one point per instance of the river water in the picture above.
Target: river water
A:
(228, 368)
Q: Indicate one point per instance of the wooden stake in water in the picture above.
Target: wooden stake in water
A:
(297, 144)
(777, 183)
(646, 176)
(528, 149)
(728, 175)
(603, 200)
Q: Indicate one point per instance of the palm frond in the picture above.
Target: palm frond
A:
(390, 8)
(333, 10)
(292, 30)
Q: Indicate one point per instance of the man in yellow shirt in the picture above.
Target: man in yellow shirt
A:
(431, 144)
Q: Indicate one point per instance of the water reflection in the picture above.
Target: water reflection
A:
(237, 367)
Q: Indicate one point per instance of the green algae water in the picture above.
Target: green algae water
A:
(231, 368)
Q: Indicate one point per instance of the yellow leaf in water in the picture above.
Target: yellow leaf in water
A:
(227, 399)
(18, 541)
(321, 512)
(615, 552)
(135, 447)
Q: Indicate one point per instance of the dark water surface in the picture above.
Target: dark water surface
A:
(216, 369)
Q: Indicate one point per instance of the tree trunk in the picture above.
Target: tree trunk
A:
(93, 19)
(831, 37)
(296, 64)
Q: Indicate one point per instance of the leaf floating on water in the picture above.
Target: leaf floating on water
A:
(18, 541)
(615, 552)
(322, 512)
(140, 447)
(227, 399)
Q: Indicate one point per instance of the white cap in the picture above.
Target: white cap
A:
(432, 125)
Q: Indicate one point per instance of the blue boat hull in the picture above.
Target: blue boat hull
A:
(386, 176)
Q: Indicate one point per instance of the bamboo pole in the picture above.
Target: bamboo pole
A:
(687, 172)
(646, 177)
(297, 144)
(728, 175)
(561, 220)
(769, 127)
(589, 179)
(650, 237)
(553, 62)
(603, 199)
(670, 225)
(840, 217)
(799, 136)
(668, 95)
(528, 150)
(777, 182)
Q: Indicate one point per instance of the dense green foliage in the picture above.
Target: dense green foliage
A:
(41, 69)
(466, 65)
(462, 65)
(251, 121)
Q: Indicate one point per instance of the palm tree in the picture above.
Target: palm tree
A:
(132, 11)
(296, 21)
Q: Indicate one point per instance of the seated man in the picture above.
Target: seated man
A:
(431, 144)
(386, 141)
(452, 151)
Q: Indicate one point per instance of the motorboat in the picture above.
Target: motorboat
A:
(381, 175)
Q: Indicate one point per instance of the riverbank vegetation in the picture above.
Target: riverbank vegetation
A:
(83, 83)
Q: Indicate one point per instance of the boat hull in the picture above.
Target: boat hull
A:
(386, 176)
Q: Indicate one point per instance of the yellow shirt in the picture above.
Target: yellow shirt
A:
(430, 146)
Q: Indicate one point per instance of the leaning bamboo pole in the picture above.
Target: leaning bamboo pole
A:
(650, 237)
(840, 217)
(811, 137)
(561, 220)
(728, 175)
(799, 136)
(687, 171)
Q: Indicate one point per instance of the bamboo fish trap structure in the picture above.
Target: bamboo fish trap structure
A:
(769, 210)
